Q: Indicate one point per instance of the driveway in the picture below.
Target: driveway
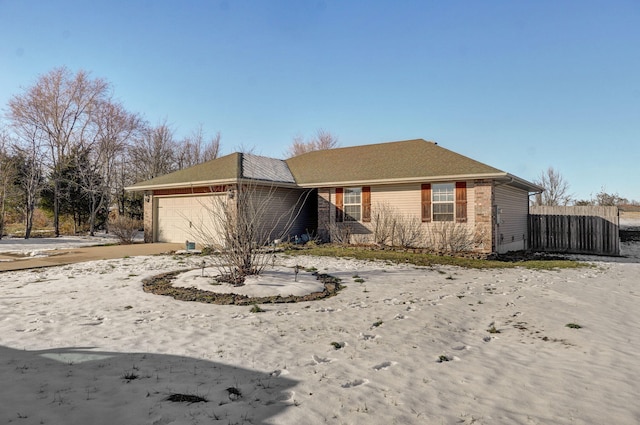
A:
(59, 257)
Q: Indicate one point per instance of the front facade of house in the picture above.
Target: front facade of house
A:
(477, 214)
(412, 193)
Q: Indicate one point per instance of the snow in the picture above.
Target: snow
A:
(83, 344)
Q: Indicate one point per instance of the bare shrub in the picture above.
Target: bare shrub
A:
(241, 226)
(340, 233)
(383, 222)
(409, 232)
(360, 239)
(451, 237)
(391, 227)
(124, 228)
(480, 236)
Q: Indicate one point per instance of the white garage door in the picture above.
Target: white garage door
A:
(192, 218)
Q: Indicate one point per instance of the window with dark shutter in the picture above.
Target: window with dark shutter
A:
(339, 205)
(426, 202)
(352, 203)
(461, 202)
(443, 201)
(366, 204)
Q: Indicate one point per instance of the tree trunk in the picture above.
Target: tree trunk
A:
(107, 201)
(2, 214)
(29, 220)
(56, 208)
(92, 216)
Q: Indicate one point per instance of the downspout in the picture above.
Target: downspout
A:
(529, 217)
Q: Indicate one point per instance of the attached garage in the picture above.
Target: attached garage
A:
(193, 218)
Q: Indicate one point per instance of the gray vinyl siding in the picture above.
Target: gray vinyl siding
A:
(512, 210)
(285, 213)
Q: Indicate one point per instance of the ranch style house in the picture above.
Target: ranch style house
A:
(351, 192)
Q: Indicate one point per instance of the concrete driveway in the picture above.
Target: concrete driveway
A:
(78, 255)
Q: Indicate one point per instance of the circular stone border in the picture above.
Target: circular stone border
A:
(162, 285)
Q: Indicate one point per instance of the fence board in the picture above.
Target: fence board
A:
(578, 230)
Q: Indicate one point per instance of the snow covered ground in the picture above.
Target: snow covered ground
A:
(39, 246)
(400, 344)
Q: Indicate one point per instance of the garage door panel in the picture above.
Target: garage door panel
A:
(193, 218)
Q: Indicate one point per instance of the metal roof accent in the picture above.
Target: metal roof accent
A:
(264, 168)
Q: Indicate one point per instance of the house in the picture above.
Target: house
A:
(368, 193)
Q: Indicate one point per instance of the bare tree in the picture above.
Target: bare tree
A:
(153, 153)
(115, 127)
(606, 199)
(556, 189)
(57, 108)
(29, 173)
(195, 149)
(7, 177)
(211, 149)
(321, 141)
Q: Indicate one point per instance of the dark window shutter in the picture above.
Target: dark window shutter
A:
(426, 202)
(461, 202)
(366, 204)
(339, 205)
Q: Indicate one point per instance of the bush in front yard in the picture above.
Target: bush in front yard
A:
(124, 228)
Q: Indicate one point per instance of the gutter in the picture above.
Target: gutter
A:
(212, 183)
(403, 180)
(179, 185)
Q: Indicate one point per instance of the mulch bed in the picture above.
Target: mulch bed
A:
(162, 285)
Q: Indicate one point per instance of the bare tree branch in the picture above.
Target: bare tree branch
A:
(556, 189)
(57, 109)
(321, 141)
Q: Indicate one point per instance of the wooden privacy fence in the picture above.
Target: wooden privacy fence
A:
(577, 230)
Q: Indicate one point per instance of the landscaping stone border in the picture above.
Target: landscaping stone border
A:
(162, 285)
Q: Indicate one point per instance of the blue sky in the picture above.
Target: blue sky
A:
(519, 85)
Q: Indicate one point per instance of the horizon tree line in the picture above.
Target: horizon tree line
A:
(68, 146)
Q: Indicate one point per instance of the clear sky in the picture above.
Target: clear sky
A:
(519, 85)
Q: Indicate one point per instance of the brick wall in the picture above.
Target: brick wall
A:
(148, 218)
(484, 215)
(324, 213)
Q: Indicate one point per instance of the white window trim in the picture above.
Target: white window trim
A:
(435, 202)
(347, 217)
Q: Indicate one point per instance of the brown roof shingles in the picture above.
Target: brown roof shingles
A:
(405, 160)
(225, 168)
(409, 160)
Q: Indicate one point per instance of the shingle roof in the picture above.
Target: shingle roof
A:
(405, 160)
(410, 160)
(225, 169)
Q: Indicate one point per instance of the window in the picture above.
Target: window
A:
(352, 203)
(443, 200)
